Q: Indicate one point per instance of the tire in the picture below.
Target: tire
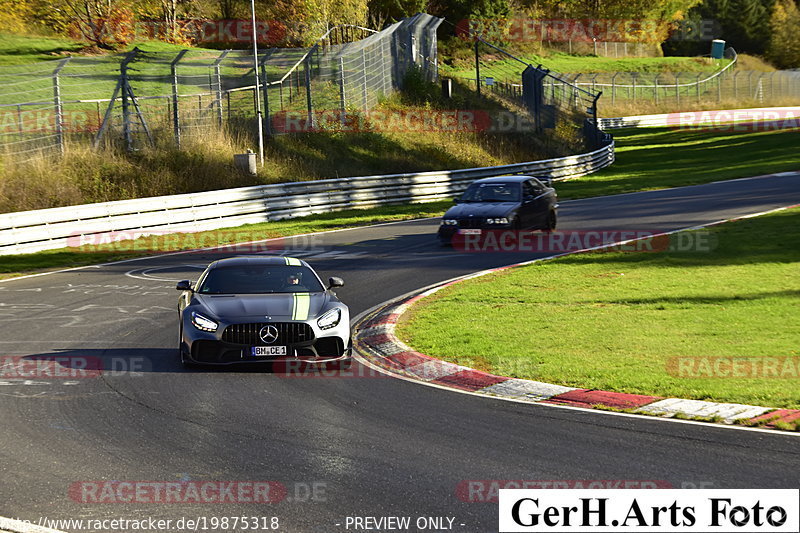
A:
(552, 221)
(181, 354)
(516, 225)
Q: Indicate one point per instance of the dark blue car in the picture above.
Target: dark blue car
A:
(502, 202)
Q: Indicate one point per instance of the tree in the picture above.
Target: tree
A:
(396, 9)
(105, 23)
(784, 47)
(14, 15)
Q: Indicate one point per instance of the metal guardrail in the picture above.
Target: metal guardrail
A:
(46, 229)
(687, 119)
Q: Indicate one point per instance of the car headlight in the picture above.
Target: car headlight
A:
(330, 319)
(501, 220)
(449, 222)
(203, 323)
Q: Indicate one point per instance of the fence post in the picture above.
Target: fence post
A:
(477, 68)
(218, 79)
(697, 86)
(614, 87)
(342, 100)
(59, 118)
(309, 105)
(125, 87)
(19, 120)
(719, 88)
(736, 85)
(176, 124)
(633, 82)
(655, 87)
(365, 104)
(265, 91)
(677, 87)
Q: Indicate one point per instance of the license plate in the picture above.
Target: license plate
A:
(267, 351)
(469, 231)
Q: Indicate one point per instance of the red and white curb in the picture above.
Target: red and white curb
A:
(376, 341)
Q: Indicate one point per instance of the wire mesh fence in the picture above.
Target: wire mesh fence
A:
(604, 48)
(138, 98)
(554, 102)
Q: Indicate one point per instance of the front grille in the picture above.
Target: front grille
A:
(470, 223)
(288, 333)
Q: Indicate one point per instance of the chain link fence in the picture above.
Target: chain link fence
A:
(554, 102)
(141, 98)
(604, 48)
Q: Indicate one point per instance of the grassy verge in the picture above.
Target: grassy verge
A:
(15, 265)
(657, 158)
(628, 321)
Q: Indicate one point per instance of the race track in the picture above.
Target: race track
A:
(374, 446)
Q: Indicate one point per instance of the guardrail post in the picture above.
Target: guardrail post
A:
(176, 122)
(59, 111)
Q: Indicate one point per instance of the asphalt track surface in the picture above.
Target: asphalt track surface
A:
(378, 446)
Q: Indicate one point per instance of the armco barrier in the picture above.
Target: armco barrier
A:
(692, 118)
(46, 229)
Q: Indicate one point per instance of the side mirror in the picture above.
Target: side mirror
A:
(184, 285)
(457, 200)
(335, 282)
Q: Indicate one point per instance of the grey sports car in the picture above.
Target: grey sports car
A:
(262, 309)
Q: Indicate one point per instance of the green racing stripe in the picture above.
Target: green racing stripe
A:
(302, 301)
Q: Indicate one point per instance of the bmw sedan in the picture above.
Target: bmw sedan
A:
(262, 309)
(498, 203)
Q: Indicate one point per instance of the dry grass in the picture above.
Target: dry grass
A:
(205, 163)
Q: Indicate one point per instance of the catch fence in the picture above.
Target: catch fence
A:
(141, 97)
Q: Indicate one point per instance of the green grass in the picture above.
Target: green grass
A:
(15, 265)
(616, 321)
(565, 63)
(656, 158)
(20, 49)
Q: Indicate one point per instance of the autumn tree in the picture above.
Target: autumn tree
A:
(784, 46)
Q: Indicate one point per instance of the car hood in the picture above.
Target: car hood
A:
(481, 209)
(260, 306)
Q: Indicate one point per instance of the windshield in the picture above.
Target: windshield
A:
(492, 192)
(260, 279)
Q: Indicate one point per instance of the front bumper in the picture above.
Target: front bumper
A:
(209, 348)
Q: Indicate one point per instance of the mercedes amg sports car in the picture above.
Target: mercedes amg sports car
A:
(501, 203)
(262, 309)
